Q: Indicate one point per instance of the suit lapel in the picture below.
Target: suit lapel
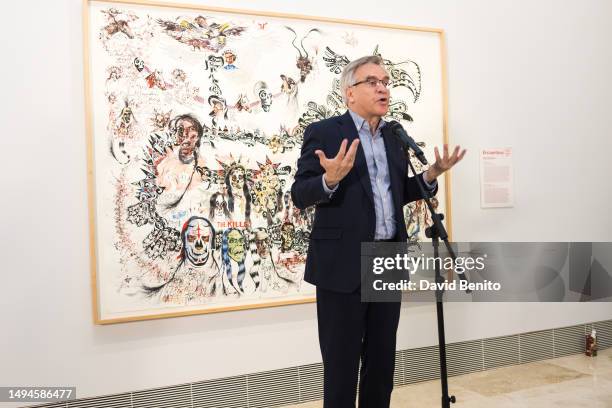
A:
(349, 131)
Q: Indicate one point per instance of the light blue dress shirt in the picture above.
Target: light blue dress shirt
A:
(378, 170)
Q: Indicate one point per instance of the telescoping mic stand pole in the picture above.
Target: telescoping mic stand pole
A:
(437, 232)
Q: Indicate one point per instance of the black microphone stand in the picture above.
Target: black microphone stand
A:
(436, 232)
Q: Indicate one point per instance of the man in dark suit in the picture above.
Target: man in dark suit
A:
(356, 175)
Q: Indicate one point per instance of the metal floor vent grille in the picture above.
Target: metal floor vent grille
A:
(400, 367)
(465, 357)
(311, 382)
(295, 385)
(229, 392)
(421, 364)
(178, 396)
(273, 388)
(568, 340)
(535, 346)
(500, 351)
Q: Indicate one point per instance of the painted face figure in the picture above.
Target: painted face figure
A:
(200, 21)
(264, 95)
(139, 64)
(237, 179)
(187, 138)
(220, 206)
(217, 108)
(235, 245)
(287, 236)
(289, 87)
(262, 243)
(198, 240)
(126, 114)
(229, 56)
(270, 177)
(305, 66)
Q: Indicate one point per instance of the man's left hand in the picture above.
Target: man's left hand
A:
(443, 163)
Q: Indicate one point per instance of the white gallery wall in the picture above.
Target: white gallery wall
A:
(531, 75)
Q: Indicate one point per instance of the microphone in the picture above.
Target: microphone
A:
(405, 140)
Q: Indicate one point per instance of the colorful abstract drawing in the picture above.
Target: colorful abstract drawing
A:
(195, 122)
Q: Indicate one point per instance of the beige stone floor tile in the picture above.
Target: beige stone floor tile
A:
(500, 401)
(428, 394)
(582, 392)
(416, 395)
(601, 364)
(514, 378)
(605, 376)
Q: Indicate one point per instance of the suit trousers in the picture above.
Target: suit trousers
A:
(350, 330)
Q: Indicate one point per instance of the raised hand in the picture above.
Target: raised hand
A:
(338, 167)
(445, 162)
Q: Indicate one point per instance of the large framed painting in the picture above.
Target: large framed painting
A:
(195, 119)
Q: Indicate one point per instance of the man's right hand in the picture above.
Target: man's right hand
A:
(338, 167)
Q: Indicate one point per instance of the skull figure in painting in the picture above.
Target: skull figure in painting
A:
(264, 95)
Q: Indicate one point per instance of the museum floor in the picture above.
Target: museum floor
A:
(572, 381)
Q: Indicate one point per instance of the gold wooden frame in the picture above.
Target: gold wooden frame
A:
(90, 150)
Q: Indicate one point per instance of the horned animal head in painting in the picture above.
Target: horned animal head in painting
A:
(303, 63)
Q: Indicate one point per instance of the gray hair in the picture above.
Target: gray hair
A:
(347, 78)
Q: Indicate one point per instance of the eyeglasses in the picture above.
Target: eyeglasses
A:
(373, 82)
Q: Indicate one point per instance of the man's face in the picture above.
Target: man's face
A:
(187, 137)
(198, 242)
(367, 100)
(235, 245)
